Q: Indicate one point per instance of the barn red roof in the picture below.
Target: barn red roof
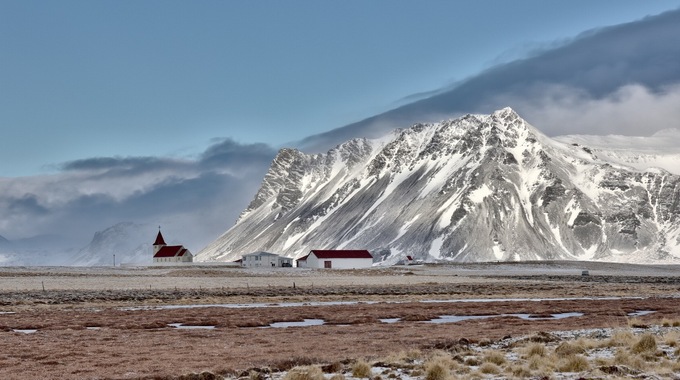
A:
(171, 251)
(159, 239)
(342, 254)
(303, 258)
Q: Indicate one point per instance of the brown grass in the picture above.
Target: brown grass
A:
(520, 371)
(535, 349)
(305, 373)
(574, 363)
(671, 338)
(128, 340)
(489, 368)
(495, 357)
(623, 357)
(437, 370)
(621, 338)
(637, 323)
(540, 363)
(567, 349)
(362, 369)
(646, 343)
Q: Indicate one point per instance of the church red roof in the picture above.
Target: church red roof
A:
(342, 254)
(171, 251)
(159, 239)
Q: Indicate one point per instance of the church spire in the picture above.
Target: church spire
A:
(159, 238)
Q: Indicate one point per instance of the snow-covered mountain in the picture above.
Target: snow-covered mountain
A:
(40, 250)
(478, 188)
(130, 242)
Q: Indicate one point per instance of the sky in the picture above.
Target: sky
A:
(83, 79)
(170, 112)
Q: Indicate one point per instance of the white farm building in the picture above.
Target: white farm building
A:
(265, 259)
(336, 259)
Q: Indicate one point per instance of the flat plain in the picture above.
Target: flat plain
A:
(169, 322)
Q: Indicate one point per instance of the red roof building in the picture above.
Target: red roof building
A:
(159, 239)
(163, 253)
(336, 259)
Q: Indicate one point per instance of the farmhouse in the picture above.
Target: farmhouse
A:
(265, 259)
(163, 253)
(336, 259)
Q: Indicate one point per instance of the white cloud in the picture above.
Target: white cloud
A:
(631, 110)
(196, 200)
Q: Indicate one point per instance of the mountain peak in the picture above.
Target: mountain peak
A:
(476, 188)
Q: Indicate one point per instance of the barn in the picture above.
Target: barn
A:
(336, 259)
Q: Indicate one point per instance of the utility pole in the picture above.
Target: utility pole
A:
(114, 259)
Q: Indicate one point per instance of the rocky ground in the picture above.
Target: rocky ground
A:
(118, 323)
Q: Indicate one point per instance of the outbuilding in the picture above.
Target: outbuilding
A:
(265, 259)
(336, 259)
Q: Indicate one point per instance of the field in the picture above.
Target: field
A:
(121, 322)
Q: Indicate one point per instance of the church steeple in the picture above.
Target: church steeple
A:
(159, 243)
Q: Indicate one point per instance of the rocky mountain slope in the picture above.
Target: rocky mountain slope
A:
(478, 188)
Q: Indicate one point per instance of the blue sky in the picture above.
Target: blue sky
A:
(170, 113)
(85, 79)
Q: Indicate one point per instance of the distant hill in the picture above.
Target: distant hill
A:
(129, 242)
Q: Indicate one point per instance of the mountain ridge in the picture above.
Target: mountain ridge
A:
(477, 188)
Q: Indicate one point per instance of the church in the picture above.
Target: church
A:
(163, 253)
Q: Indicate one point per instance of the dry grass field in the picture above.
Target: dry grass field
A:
(520, 320)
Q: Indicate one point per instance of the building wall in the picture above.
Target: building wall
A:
(255, 261)
(315, 262)
(167, 259)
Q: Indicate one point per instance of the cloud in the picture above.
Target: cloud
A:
(630, 110)
(194, 199)
(236, 156)
(111, 163)
(599, 65)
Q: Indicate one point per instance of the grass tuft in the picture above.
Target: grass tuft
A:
(621, 338)
(362, 369)
(566, 349)
(436, 370)
(575, 363)
(536, 349)
(646, 343)
(489, 368)
(495, 357)
(305, 373)
(520, 371)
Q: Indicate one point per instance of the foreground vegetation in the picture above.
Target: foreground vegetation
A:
(640, 351)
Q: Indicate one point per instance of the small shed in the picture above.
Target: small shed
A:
(336, 259)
